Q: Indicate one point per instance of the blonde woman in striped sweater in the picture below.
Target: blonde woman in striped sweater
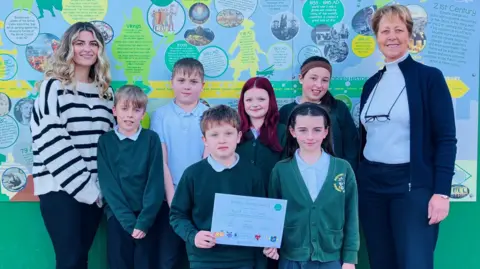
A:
(72, 110)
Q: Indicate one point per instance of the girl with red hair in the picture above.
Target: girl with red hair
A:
(262, 136)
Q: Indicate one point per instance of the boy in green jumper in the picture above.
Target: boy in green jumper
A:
(130, 172)
(221, 172)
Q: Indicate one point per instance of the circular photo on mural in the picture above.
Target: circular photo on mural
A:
(199, 13)
(362, 21)
(37, 53)
(5, 104)
(418, 41)
(229, 18)
(199, 36)
(336, 51)
(14, 179)
(340, 31)
(23, 111)
(321, 34)
(105, 29)
(284, 26)
(168, 19)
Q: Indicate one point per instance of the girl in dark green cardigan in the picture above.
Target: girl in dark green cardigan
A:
(321, 223)
(262, 137)
(315, 76)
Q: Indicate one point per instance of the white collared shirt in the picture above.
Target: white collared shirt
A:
(133, 137)
(314, 175)
(218, 167)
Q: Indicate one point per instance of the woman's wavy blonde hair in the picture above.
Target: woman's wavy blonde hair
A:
(62, 67)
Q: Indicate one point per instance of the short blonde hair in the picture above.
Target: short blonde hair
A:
(402, 12)
(132, 95)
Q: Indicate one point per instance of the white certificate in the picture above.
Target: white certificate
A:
(248, 221)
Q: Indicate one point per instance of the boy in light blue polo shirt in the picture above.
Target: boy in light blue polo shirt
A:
(178, 125)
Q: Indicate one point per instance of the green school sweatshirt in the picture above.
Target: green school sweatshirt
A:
(265, 159)
(130, 174)
(192, 209)
(323, 230)
(260, 155)
(345, 136)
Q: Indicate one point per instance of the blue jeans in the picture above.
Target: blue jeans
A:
(287, 264)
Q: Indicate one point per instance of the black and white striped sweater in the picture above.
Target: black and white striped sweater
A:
(65, 129)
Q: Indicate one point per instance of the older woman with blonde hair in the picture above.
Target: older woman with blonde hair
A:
(408, 151)
(73, 108)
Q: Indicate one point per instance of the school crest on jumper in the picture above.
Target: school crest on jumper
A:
(339, 182)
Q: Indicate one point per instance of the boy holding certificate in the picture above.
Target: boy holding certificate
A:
(221, 172)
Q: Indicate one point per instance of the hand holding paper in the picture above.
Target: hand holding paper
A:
(271, 253)
(204, 239)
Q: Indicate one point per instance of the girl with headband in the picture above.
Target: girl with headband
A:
(315, 76)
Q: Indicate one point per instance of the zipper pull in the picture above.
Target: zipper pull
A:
(409, 186)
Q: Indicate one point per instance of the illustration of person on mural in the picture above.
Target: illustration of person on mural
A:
(23, 111)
